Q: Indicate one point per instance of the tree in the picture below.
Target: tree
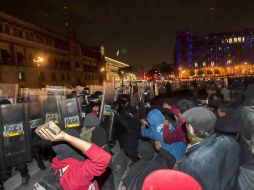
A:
(209, 72)
(217, 72)
(192, 73)
(200, 72)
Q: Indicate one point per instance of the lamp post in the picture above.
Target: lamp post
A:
(38, 61)
(104, 75)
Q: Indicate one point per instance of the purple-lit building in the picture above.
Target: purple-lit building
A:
(220, 50)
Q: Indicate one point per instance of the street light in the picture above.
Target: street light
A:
(102, 69)
(38, 60)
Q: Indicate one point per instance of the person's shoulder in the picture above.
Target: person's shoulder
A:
(99, 129)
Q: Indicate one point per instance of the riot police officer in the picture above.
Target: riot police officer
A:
(127, 131)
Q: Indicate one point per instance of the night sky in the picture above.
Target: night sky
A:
(142, 30)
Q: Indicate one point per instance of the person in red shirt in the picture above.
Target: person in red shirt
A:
(76, 173)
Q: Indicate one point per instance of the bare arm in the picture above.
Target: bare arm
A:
(62, 136)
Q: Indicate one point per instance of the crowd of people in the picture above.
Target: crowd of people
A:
(186, 144)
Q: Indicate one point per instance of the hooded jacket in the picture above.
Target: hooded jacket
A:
(80, 174)
(214, 162)
(155, 132)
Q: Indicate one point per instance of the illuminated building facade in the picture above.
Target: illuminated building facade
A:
(63, 60)
(216, 54)
(112, 68)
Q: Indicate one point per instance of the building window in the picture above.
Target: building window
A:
(32, 36)
(1, 27)
(62, 76)
(27, 35)
(6, 29)
(78, 81)
(20, 58)
(53, 76)
(212, 63)
(20, 33)
(5, 56)
(196, 64)
(204, 64)
(68, 77)
(14, 31)
(21, 76)
(243, 39)
(77, 65)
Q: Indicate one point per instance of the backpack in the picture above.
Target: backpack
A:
(49, 182)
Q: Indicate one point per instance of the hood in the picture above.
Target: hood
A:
(229, 123)
(155, 117)
(64, 150)
(58, 164)
(145, 150)
(91, 120)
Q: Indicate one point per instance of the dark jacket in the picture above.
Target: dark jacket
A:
(127, 131)
(140, 169)
(214, 162)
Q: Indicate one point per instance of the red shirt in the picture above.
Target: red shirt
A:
(80, 174)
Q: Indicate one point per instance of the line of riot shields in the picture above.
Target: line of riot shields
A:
(18, 121)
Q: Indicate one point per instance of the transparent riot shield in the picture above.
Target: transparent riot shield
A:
(59, 91)
(9, 91)
(108, 122)
(15, 135)
(35, 119)
(71, 113)
(108, 97)
(52, 109)
(31, 95)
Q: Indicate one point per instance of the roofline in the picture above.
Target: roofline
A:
(119, 62)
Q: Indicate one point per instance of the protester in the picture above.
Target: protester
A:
(179, 134)
(149, 162)
(155, 121)
(214, 160)
(90, 122)
(77, 173)
(166, 179)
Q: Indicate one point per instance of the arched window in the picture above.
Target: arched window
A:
(1, 27)
(27, 35)
(6, 29)
(20, 33)
(14, 31)
(32, 36)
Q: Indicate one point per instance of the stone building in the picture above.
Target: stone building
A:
(33, 56)
(112, 68)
